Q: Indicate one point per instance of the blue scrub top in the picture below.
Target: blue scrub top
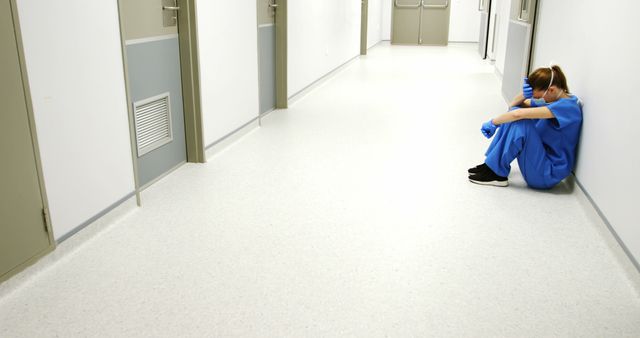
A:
(560, 135)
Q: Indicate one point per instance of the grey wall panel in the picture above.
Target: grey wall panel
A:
(154, 68)
(267, 67)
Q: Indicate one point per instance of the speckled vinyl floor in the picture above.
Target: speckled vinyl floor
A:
(347, 215)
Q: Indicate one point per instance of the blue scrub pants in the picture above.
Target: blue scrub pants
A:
(520, 140)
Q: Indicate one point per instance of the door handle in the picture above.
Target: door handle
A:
(171, 8)
(524, 10)
(406, 6)
(482, 6)
(446, 4)
(273, 5)
(169, 12)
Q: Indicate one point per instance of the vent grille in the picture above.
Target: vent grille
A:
(153, 123)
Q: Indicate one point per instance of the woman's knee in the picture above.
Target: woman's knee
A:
(519, 128)
(523, 124)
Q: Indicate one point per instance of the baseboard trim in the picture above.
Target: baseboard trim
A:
(317, 83)
(375, 44)
(93, 219)
(165, 174)
(603, 217)
(218, 146)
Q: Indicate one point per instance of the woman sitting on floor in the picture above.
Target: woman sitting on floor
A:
(541, 130)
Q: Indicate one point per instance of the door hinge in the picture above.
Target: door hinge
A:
(45, 216)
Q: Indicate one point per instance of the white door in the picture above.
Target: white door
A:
(519, 42)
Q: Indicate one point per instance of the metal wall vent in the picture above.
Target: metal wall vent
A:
(153, 123)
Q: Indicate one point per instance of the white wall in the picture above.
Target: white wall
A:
(228, 53)
(79, 102)
(322, 35)
(374, 23)
(599, 56)
(387, 7)
(464, 21)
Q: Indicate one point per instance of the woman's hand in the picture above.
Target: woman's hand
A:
(488, 129)
(527, 91)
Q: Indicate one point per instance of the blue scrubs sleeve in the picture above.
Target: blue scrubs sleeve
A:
(566, 111)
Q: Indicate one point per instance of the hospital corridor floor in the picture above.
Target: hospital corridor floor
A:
(348, 215)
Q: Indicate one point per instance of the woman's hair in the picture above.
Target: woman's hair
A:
(541, 77)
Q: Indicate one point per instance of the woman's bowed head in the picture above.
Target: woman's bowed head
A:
(541, 130)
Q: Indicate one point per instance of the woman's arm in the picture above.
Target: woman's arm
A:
(517, 101)
(520, 101)
(522, 114)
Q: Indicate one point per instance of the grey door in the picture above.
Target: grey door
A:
(421, 22)
(155, 87)
(267, 54)
(434, 27)
(406, 22)
(519, 42)
(485, 16)
(23, 232)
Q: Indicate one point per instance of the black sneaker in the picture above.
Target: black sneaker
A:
(477, 169)
(488, 177)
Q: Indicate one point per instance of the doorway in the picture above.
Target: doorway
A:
(420, 22)
(162, 85)
(485, 23)
(267, 54)
(272, 54)
(25, 234)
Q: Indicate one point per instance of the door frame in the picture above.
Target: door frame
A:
(190, 83)
(188, 41)
(282, 96)
(36, 148)
(364, 26)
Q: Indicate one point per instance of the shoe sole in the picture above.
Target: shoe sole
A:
(493, 183)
